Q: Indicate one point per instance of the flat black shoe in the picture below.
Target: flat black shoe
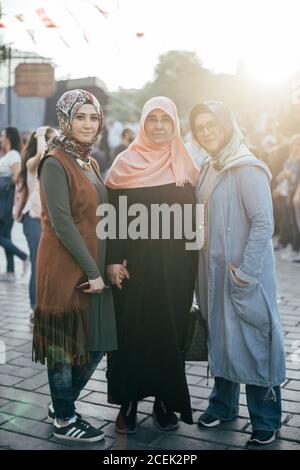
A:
(165, 419)
(126, 422)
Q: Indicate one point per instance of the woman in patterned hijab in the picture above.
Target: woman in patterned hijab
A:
(66, 108)
(72, 330)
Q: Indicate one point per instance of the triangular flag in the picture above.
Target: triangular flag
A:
(65, 42)
(45, 19)
(20, 18)
(104, 13)
(85, 37)
(31, 34)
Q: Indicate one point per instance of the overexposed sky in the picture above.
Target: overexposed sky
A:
(265, 33)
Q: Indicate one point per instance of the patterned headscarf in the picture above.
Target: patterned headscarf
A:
(66, 107)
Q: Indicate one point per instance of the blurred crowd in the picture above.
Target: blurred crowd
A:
(19, 187)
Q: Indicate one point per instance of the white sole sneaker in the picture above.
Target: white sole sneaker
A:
(74, 439)
(214, 423)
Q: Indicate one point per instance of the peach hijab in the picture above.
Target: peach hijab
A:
(146, 164)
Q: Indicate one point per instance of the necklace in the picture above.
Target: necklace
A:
(84, 165)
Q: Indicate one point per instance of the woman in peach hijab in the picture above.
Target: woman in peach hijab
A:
(153, 275)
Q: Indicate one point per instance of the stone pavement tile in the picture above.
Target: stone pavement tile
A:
(287, 322)
(221, 436)
(27, 362)
(24, 396)
(24, 372)
(28, 427)
(126, 444)
(4, 417)
(290, 407)
(105, 444)
(145, 407)
(96, 385)
(199, 370)
(52, 445)
(8, 380)
(20, 327)
(99, 375)
(97, 411)
(25, 410)
(174, 442)
(199, 404)
(290, 433)
(193, 379)
(238, 424)
(3, 331)
(97, 398)
(293, 329)
(12, 343)
(26, 348)
(293, 336)
(3, 401)
(8, 369)
(293, 374)
(289, 350)
(277, 445)
(291, 395)
(12, 354)
(294, 421)
(293, 365)
(13, 440)
(18, 335)
(144, 434)
(200, 392)
(34, 382)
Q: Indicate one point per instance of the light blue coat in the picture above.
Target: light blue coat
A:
(245, 339)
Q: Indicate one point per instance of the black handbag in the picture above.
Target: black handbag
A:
(195, 345)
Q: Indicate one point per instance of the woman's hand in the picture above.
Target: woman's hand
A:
(239, 281)
(96, 286)
(117, 272)
(41, 131)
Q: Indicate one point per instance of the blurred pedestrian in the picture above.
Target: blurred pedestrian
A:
(10, 164)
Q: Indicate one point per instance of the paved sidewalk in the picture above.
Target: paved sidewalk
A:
(24, 393)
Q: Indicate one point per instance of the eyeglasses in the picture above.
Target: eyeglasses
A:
(164, 121)
(211, 127)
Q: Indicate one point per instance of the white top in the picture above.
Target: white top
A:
(33, 204)
(6, 162)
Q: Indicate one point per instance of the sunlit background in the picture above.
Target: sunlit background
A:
(120, 40)
(243, 52)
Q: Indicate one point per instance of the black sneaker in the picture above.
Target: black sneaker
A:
(262, 438)
(126, 419)
(207, 420)
(165, 419)
(79, 431)
(51, 413)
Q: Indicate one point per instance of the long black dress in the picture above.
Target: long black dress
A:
(152, 309)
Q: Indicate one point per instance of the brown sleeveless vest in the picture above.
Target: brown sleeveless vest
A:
(61, 314)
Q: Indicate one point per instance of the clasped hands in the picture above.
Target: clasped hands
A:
(117, 273)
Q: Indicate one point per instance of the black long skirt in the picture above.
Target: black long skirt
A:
(152, 309)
